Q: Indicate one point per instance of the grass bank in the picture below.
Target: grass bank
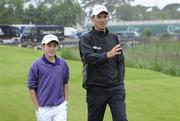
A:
(162, 56)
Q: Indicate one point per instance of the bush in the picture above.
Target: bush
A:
(70, 53)
(147, 32)
(162, 56)
(165, 36)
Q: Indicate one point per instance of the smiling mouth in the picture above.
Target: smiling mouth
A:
(52, 52)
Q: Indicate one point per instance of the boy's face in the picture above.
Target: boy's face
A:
(50, 49)
(100, 21)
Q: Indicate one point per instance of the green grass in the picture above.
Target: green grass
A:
(162, 56)
(151, 96)
(70, 54)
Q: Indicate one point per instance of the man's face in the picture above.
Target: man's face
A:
(50, 49)
(100, 21)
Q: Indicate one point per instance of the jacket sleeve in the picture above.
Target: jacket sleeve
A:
(87, 53)
(121, 65)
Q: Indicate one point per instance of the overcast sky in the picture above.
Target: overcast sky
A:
(159, 3)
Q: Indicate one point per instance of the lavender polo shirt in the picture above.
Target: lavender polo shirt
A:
(48, 79)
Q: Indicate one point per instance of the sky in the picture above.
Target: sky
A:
(159, 3)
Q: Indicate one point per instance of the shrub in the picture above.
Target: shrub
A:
(147, 32)
(70, 53)
(162, 56)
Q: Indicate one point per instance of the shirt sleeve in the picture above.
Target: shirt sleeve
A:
(33, 78)
(66, 77)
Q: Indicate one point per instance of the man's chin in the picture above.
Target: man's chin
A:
(102, 29)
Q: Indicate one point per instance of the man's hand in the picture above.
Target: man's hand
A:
(115, 51)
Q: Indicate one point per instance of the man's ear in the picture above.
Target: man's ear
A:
(42, 46)
(92, 17)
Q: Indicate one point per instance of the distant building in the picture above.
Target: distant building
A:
(155, 26)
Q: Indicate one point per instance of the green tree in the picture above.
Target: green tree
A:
(18, 14)
(42, 16)
(173, 11)
(147, 32)
(29, 15)
(112, 5)
(39, 2)
(10, 11)
(67, 12)
(37, 12)
(91, 3)
(125, 12)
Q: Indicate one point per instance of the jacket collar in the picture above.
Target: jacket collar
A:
(100, 33)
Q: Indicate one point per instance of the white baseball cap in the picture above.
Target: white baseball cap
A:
(98, 9)
(48, 38)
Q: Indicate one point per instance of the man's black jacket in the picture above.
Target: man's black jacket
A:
(98, 70)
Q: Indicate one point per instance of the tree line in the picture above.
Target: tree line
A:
(66, 12)
(71, 12)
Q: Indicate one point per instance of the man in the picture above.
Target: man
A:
(103, 69)
(48, 83)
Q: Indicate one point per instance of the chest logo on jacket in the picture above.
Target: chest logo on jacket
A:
(97, 48)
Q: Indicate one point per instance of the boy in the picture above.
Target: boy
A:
(48, 83)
